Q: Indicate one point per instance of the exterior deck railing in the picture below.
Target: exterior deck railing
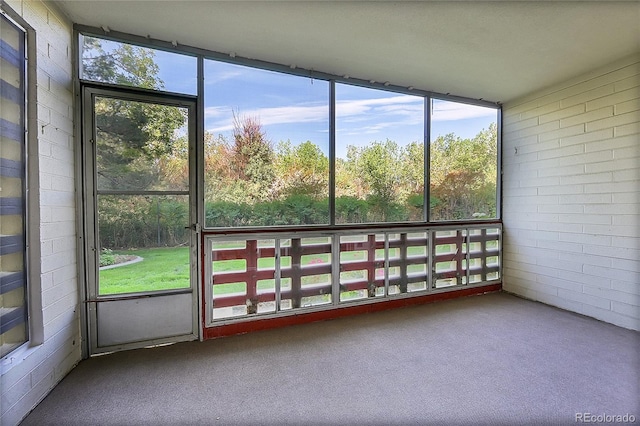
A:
(261, 275)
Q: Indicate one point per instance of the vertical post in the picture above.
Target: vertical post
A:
(296, 272)
(371, 264)
(386, 263)
(467, 244)
(432, 259)
(427, 158)
(460, 256)
(332, 152)
(403, 262)
(335, 268)
(483, 250)
(252, 268)
(158, 217)
(277, 285)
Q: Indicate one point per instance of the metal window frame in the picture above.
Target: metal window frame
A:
(232, 58)
(277, 232)
(31, 188)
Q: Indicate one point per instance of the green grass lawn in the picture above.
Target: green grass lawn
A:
(161, 269)
(168, 268)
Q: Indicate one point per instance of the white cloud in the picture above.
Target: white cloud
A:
(450, 111)
(379, 113)
(213, 112)
(269, 116)
(387, 112)
(217, 77)
(395, 103)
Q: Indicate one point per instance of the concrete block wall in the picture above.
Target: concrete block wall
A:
(571, 161)
(29, 373)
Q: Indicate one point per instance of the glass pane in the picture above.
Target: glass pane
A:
(464, 161)
(126, 64)
(13, 277)
(379, 156)
(266, 147)
(144, 245)
(141, 146)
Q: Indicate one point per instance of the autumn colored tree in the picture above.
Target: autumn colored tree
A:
(252, 160)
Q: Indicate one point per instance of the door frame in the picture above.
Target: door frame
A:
(89, 219)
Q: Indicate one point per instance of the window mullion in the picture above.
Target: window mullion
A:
(332, 152)
(427, 158)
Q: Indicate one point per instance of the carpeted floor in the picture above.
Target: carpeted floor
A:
(492, 359)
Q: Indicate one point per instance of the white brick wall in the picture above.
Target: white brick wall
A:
(571, 157)
(29, 374)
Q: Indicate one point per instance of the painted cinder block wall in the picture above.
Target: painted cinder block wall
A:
(571, 160)
(28, 374)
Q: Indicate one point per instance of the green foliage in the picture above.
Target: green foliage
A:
(142, 221)
(351, 210)
(133, 138)
(380, 182)
(248, 182)
(463, 176)
(302, 169)
(415, 206)
(294, 210)
(126, 65)
(107, 257)
(252, 159)
(379, 165)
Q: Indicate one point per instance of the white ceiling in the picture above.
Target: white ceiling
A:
(497, 51)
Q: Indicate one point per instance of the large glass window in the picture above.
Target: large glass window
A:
(266, 147)
(379, 156)
(463, 161)
(13, 277)
(114, 62)
(267, 136)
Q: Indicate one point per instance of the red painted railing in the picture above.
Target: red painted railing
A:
(251, 275)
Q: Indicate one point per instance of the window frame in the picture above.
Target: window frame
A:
(428, 96)
(31, 194)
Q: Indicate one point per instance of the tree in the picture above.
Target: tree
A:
(463, 176)
(252, 159)
(380, 166)
(217, 168)
(133, 138)
(302, 170)
(348, 179)
(126, 65)
(139, 146)
(412, 169)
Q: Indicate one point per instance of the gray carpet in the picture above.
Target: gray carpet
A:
(492, 359)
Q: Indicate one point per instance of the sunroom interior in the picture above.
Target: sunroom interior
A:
(180, 172)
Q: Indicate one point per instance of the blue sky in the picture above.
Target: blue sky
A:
(297, 108)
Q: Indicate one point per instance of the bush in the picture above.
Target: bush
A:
(294, 210)
(107, 257)
(140, 221)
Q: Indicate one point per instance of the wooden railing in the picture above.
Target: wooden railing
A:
(268, 274)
